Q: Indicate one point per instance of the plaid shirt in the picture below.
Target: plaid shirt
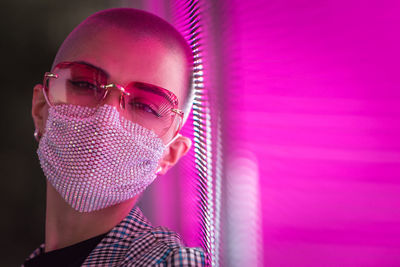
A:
(134, 242)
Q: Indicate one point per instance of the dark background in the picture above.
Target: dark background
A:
(31, 32)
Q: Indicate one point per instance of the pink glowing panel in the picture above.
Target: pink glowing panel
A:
(316, 97)
(177, 200)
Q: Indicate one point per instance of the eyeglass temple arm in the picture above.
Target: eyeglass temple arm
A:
(50, 75)
(177, 111)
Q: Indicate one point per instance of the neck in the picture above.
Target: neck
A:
(66, 226)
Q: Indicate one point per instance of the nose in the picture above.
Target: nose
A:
(113, 97)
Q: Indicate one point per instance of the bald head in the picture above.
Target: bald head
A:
(141, 42)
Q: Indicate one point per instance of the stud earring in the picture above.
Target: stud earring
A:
(37, 135)
(158, 170)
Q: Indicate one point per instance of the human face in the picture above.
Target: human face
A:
(126, 58)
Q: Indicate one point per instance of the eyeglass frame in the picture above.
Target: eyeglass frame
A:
(108, 87)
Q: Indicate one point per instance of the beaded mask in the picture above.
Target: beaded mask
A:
(95, 158)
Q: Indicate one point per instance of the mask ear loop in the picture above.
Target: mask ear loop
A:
(167, 145)
(173, 139)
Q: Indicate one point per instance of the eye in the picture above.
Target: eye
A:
(143, 107)
(83, 85)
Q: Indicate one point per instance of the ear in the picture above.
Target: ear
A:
(174, 152)
(39, 108)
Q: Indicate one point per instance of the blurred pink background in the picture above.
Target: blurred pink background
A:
(315, 89)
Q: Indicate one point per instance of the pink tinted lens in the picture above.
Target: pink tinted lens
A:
(77, 84)
(150, 106)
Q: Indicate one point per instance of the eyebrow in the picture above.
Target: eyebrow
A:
(156, 90)
(93, 66)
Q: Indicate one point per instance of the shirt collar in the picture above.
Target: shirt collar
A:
(134, 224)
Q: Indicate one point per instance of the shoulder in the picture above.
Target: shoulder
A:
(135, 242)
(157, 246)
(167, 249)
(185, 256)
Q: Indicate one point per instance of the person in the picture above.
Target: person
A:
(107, 117)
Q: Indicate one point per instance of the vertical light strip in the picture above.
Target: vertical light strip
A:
(189, 22)
(243, 224)
(218, 194)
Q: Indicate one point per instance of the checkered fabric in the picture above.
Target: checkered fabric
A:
(134, 242)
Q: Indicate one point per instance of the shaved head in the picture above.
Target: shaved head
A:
(134, 27)
(114, 50)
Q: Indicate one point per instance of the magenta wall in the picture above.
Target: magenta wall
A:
(315, 97)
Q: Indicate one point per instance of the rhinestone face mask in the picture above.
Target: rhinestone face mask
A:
(95, 158)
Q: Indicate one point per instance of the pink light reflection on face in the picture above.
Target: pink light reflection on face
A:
(128, 58)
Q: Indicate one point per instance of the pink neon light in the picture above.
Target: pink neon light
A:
(316, 97)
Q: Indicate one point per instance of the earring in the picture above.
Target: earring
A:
(158, 170)
(37, 135)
